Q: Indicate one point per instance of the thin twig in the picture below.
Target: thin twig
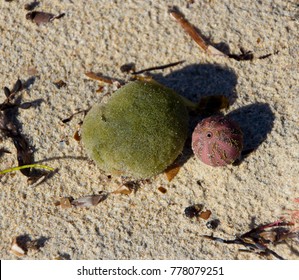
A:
(190, 29)
(158, 67)
(100, 78)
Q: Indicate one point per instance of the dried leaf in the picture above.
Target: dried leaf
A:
(90, 200)
(171, 172)
(162, 190)
(269, 236)
(65, 202)
(123, 190)
(205, 214)
(257, 239)
(42, 17)
(77, 136)
(16, 249)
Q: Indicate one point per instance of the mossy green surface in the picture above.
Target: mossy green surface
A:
(139, 132)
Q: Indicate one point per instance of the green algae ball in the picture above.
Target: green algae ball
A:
(139, 132)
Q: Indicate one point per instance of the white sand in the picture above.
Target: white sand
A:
(103, 35)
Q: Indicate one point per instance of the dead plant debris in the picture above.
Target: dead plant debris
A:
(77, 136)
(9, 126)
(162, 190)
(85, 201)
(123, 190)
(16, 249)
(204, 45)
(205, 214)
(90, 200)
(23, 245)
(66, 120)
(172, 171)
(160, 67)
(258, 239)
(39, 17)
(100, 78)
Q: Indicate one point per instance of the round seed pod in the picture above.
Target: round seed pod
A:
(217, 141)
(139, 132)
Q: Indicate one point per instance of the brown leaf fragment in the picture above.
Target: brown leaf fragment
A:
(42, 17)
(90, 200)
(171, 172)
(65, 202)
(123, 190)
(59, 84)
(205, 214)
(16, 249)
(269, 236)
(162, 190)
(77, 136)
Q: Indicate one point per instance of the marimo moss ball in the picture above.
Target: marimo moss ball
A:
(139, 132)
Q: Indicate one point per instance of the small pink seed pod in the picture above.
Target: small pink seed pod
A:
(217, 141)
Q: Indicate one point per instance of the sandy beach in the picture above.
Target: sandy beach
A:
(101, 36)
